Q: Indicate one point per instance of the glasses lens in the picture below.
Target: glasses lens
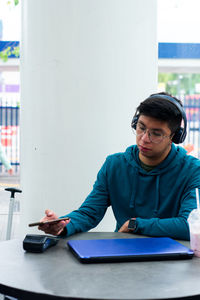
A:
(154, 136)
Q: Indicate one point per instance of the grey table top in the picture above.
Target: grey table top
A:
(57, 274)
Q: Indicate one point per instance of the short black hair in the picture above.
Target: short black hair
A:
(158, 108)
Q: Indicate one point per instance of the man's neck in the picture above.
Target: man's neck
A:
(153, 161)
(145, 167)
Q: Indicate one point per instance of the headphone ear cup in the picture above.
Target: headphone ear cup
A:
(178, 136)
(134, 122)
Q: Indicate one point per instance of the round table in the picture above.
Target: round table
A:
(57, 274)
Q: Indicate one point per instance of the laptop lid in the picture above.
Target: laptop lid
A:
(131, 249)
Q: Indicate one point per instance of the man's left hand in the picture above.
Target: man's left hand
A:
(124, 228)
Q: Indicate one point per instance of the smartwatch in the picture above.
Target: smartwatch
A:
(132, 225)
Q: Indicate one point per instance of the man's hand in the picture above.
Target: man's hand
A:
(55, 228)
(125, 228)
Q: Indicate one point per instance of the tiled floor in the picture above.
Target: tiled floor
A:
(8, 181)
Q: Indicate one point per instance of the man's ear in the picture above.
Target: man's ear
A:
(171, 137)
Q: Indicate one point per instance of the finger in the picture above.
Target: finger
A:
(49, 231)
(58, 226)
(53, 228)
(49, 213)
(43, 227)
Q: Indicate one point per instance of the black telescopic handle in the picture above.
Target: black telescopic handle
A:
(13, 191)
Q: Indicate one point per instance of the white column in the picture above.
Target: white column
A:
(85, 66)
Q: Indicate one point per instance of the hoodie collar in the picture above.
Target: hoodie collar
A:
(132, 157)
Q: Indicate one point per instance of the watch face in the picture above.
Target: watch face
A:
(132, 224)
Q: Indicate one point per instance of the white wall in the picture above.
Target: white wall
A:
(178, 21)
(85, 66)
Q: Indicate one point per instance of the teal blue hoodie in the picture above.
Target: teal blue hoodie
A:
(160, 200)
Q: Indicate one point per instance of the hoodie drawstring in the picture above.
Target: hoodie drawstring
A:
(157, 195)
(134, 191)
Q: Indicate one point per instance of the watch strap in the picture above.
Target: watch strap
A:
(132, 225)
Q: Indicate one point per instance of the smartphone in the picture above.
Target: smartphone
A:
(48, 222)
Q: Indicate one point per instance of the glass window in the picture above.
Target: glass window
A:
(179, 61)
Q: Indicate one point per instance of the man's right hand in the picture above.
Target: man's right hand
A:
(55, 228)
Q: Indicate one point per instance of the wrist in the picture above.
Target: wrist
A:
(64, 232)
(132, 225)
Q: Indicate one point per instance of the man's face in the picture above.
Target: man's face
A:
(152, 153)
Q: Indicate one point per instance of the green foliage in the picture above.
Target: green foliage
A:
(16, 2)
(176, 83)
(5, 53)
(15, 51)
(9, 51)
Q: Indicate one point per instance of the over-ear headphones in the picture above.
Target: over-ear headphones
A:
(181, 132)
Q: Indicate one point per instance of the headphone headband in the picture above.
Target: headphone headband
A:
(170, 99)
(181, 132)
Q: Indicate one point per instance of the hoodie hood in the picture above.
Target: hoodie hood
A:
(132, 157)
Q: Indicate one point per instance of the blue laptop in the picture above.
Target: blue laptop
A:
(131, 249)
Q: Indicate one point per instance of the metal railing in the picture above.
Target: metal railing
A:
(10, 129)
(192, 109)
(10, 133)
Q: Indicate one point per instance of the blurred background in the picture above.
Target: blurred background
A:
(178, 43)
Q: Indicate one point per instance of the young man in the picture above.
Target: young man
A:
(151, 186)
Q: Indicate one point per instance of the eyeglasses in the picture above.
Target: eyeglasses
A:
(154, 135)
